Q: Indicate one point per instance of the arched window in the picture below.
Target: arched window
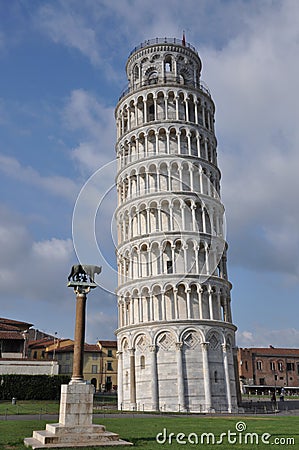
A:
(168, 64)
(136, 73)
(94, 382)
(153, 77)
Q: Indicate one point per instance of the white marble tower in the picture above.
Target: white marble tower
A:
(175, 334)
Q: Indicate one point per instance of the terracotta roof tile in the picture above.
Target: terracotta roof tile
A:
(16, 323)
(273, 351)
(11, 335)
(40, 343)
(87, 348)
(108, 343)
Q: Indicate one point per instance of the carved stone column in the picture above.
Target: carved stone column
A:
(227, 378)
(206, 375)
(132, 379)
(180, 371)
(120, 379)
(154, 378)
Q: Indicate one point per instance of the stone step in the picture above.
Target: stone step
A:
(59, 429)
(46, 437)
(36, 445)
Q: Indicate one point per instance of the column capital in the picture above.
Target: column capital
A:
(205, 346)
(119, 355)
(179, 346)
(132, 351)
(225, 347)
(152, 348)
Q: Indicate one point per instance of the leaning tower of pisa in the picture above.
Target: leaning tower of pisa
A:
(175, 334)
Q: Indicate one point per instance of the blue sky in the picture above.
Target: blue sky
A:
(62, 71)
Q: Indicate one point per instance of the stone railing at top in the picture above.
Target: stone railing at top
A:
(163, 41)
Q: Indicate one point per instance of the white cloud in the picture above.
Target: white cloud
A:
(96, 126)
(33, 278)
(103, 321)
(56, 185)
(264, 337)
(253, 80)
(32, 270)
(68, 28)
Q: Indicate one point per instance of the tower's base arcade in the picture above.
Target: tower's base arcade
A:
(177, 367)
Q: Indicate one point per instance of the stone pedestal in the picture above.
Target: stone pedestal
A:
(75, 427)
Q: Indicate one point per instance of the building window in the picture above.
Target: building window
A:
(290, 366)
(65, 369)
(94, 382)
(94, 369)
(108, 383)
(142, 362)
(280, 366)
(67, 356)
(169, 266)
(168, 64)
(297, 369)
(272, 365)
(262, 381)
(110, 353)
(94, 356)
(216, 376)
(246, 365)
(35, 355)
(259, 365)
(109, 365)
(276, 377)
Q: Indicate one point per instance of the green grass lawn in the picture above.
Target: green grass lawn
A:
(29, 407)
(143, 431)
(46, 407)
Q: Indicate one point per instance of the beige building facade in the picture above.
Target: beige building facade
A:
(266, 369)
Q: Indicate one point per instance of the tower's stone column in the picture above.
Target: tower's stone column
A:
(206, 375)
(120, 379)
(181, 393)
(154, 377)
(132, 379)
(227, 378)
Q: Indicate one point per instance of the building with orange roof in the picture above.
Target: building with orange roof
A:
(14, 346)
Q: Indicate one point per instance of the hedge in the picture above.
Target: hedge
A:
(31, 387)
